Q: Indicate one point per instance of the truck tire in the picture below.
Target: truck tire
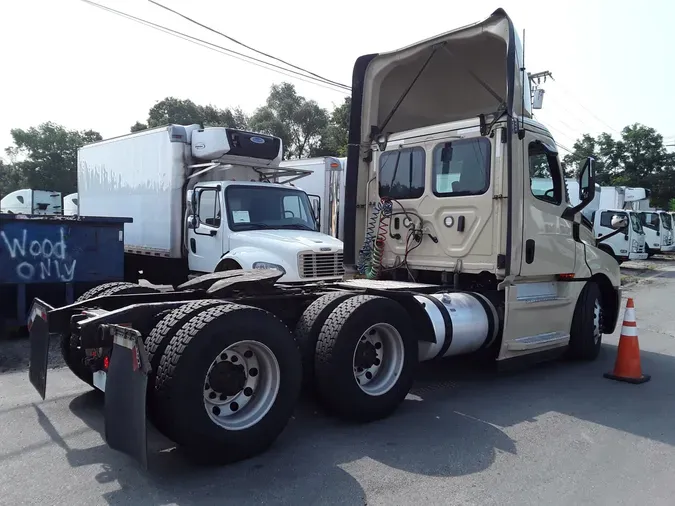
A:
(158, 340)
(228, 383)
(366, 356)
(73, 354)
(308, 328)
(586, 333)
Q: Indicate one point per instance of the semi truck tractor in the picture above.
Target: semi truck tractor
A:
(205, 200)
(447, 252)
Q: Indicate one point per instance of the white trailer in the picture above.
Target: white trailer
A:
(243, 217)
(32, 202)
(326, 187)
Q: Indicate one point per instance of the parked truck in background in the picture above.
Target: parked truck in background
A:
(447, 252)
(666, 231)
(205, 200)
(326, 187)
(32, 202)
(651, 223)
(629, 245)
(70, 205)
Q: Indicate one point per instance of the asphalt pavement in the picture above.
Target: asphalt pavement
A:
(555, 434)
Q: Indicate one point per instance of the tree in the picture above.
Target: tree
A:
(335, 137)
(299, 122)
(10, 178)
(46, 156)
(639, 158)
(173, 110)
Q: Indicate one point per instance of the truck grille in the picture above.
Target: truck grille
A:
(321, 265)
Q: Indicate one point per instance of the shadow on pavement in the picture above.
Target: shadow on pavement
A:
(452, 425)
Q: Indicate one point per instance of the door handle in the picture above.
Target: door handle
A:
(529, 251)
(460, 224)
(193, 245)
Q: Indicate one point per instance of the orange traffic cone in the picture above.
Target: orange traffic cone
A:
(627, 367)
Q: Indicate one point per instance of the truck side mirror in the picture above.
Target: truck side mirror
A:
(586, 185)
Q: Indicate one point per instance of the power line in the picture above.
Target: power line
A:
(569, 93)
(220, 49)
(247, 46)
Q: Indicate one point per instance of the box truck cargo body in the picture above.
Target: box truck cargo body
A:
(327, 181)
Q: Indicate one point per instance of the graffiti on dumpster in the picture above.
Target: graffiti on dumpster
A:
(40, 259)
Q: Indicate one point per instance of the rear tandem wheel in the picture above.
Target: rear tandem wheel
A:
(228, 383)
(366, 358)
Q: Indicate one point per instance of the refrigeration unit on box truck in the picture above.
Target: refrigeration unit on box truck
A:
(205, 200)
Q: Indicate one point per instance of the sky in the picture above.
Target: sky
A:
(74, 64)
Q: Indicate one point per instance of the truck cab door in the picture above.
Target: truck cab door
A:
(548, 245)
(205, 234)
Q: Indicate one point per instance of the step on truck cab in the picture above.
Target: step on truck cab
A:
(205, 200)
(628, 245)
(447, 252)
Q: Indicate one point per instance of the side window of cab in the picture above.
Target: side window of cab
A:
(545, 174)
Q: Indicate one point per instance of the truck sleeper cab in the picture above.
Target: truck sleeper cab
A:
(629, 245)
(448, 251)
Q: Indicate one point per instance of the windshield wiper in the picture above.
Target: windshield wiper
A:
(252, 225)
(296, 226)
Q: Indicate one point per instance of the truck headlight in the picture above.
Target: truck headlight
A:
(634, 246)
(267, 265)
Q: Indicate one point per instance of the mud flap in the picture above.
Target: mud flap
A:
(125, 393)
(38, 329)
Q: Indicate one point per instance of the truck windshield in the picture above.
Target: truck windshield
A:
(667, 224)
(635, 222)
(650, 220)
(268, 207)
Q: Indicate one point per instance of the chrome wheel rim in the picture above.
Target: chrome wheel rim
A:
(378, 359)
(241, 385)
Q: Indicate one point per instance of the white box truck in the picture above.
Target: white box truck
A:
(460, 256)
(325, 186)
(243, 216)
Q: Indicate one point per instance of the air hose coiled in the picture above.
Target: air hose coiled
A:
(370, 255)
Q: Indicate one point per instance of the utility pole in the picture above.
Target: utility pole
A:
(538, 76)
(536, 94)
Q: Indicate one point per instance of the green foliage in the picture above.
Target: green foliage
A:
(335, 136)
(639, 159)
(45, 157)
(173, 110)
(299, 122)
